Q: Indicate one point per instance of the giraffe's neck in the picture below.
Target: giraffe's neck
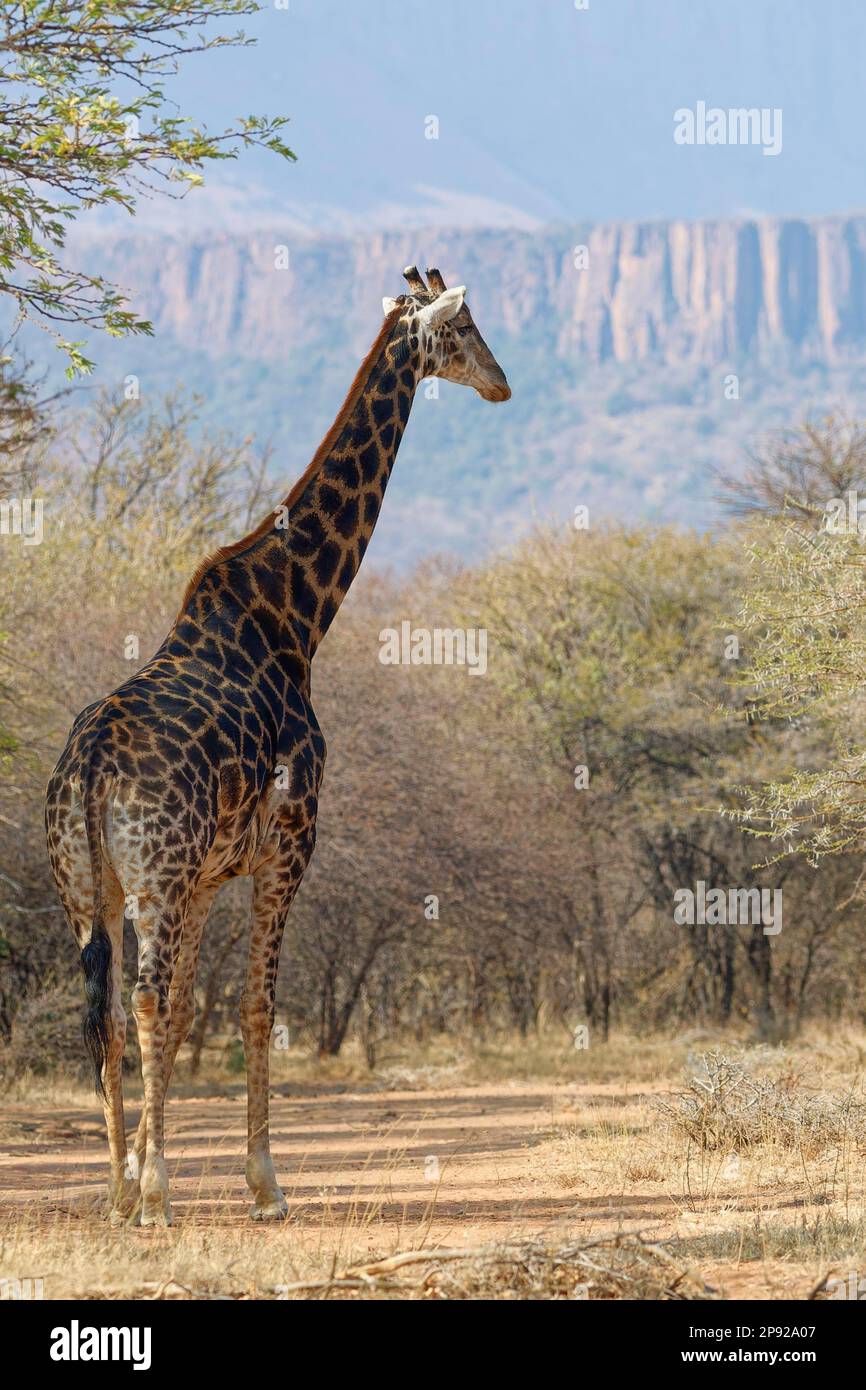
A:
(329, 522)
(277, 591)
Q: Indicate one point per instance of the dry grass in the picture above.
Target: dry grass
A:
(106, 1263)
(752, 1169)
(639, 1171)
(823, 1236)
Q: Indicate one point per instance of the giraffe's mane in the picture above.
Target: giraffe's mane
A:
(362, 376)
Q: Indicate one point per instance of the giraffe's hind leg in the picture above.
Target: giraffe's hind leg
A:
(181, 1002)
(123, 1191)
(72, 872)
(159, 928)
(124, 1195)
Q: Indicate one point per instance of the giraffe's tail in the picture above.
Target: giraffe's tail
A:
(96, 955)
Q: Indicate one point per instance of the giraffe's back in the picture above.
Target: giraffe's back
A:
(201, 774)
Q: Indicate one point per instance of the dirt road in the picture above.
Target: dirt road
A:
(385, 1170)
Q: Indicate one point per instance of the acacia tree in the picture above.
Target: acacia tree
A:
(805, 604)
(25, 420)
(84, 123)
(611, 648)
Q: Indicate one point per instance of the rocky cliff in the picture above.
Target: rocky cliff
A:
(618, 354)
(675, 292)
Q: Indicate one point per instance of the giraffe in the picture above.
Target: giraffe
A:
(206, 764)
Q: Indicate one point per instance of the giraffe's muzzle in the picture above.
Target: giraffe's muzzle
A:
(497, 391)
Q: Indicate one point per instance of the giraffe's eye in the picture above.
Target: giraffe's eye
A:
(464, 330)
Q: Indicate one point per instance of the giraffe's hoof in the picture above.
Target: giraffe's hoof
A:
(269, 1204)
(157, 1216)
(277, 1210)
(124, 1202)
(155, 1206)
(118, 1216)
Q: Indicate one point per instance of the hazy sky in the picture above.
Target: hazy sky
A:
(545, 111)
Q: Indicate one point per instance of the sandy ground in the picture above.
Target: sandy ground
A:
(385, 1171)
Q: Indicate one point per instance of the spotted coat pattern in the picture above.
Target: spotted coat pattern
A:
(206, 764)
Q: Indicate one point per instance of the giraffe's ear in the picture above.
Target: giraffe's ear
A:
(449, 303)
(388, 305)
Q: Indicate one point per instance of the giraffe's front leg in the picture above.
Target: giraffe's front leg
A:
(275, 884)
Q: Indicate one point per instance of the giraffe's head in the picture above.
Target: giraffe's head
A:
(449, 344)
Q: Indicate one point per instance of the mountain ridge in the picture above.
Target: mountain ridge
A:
(621, 360)
(674, 290)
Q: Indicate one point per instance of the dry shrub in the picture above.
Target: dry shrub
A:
(726, 1108)
(45, 1037)
(621, 1267)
